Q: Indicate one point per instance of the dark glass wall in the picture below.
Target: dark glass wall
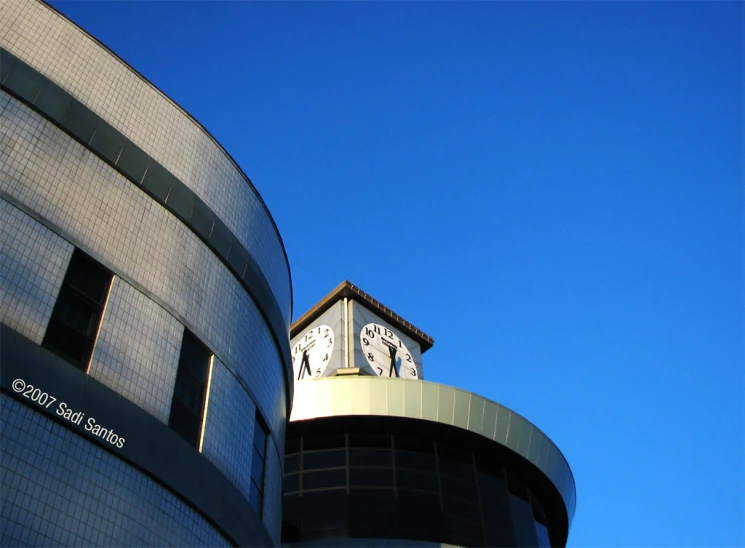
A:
(372, 485)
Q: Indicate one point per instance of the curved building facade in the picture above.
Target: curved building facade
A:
(376, 456)
(146, 301)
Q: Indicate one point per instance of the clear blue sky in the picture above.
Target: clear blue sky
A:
(553, 191)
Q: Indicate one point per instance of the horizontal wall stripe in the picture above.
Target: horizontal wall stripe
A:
(89, 129)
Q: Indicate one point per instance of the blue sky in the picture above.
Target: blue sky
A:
(553, 191)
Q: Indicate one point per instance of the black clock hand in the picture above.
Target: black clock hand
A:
(304, 366)
(392, 352)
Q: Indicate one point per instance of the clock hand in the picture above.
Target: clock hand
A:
(304, 366)
(392, 352)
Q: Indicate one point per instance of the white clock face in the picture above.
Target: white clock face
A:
(386, 353)
(312, 352)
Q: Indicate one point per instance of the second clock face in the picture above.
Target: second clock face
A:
(386, 353)
(312, 352)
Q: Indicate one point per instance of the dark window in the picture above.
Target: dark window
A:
(220, 239)
(409, 479)
(188, 396)
(80, 121)
(422, 462)
(107, 142)
(324, 459)
(292, 463)
(7, 60)
(419, 515)
(369, 457)
(181, 200)
(326, 513)
(291, 518)
(325, 479)
(371, 477)
(292, 483)
(77, 313)
(53, 101)
(132, 161)
(373, 513)
(258, 464)
(158, 181)
(24, 81)
(202, 219)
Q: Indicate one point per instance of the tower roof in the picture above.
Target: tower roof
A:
(348, 290)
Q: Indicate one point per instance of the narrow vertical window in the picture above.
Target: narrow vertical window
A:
(258, 464)
(187, 407)
(76, 317)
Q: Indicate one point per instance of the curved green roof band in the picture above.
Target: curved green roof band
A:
(332, 397)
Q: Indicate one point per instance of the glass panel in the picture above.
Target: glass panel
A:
(257, 467)
(237, 257)
(184, 423)
(373, 513)
(254, 498)
(522, 517)
(202, 219)
(7, 60)
(158, 181)
(324, 511)
(80, 121)
(107, 142)
(324, 459)
(24, 81)
(180, 200)
(292, 463)
(462, 509)
(88, 276)
(53, 101)
(455, 469)
(325, 479)
(323, 442)
(419, 515)
(372, 477)
(463, 532)
(77, 312)
(370, 457)
(220, 238)
(194, 357)
(423, 462)
(292, 483)
(408, 479)
(132, 161)
(260, 434)
(455, 488)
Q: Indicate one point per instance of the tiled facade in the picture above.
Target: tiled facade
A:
(69, 57)
(61, 490)
(57, 195)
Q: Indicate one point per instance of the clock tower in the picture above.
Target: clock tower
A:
(377, 456)
(350, 333)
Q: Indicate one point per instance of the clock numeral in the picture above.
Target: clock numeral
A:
(380, 371)
(370, 357)
(331, 341)
(369, 333)
(388, 333)
(326, 358)
(365, 342)
(326, 333)
(377, 329)
(318, 372)
(408, 358)
(413, 372)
